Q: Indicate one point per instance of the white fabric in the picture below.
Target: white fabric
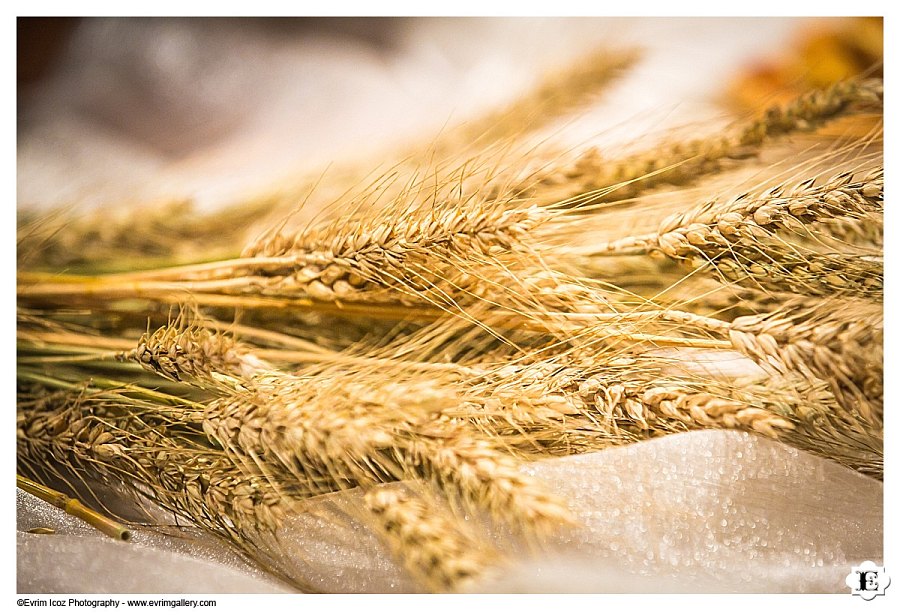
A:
(708, 511)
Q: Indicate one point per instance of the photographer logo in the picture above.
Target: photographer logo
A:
(868, 580)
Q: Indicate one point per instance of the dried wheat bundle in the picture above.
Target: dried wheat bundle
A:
(453, 319)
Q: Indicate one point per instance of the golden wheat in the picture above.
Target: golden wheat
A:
(451, 321)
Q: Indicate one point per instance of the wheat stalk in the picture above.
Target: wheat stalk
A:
(735, 238)
(429, 543)
(558, 93)
(106, 437)
(592, 178)
(842, 344)
(332, 432)
(724, 223)
(556, 407)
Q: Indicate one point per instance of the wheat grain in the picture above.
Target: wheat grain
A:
(407, 251)
(735, 238)
(178, 352)
(722, 224)
(839, 343)
(332, 434)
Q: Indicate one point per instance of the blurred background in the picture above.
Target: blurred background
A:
(127, 111)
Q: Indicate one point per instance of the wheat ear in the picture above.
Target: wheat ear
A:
(593, 178)
(735, 238)
(837, 342)
(557, 94)
(439, 552)
(180, 352)
(722, 223)
(332, 435)
(106, 438)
